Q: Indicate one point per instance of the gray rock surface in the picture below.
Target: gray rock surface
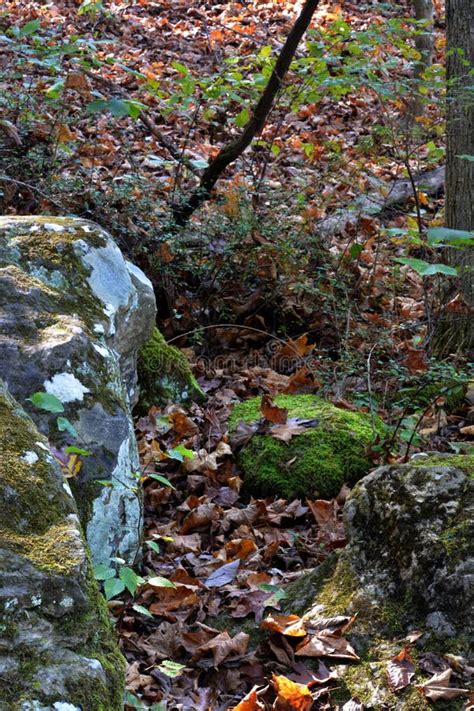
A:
(57, 651)
(408, 565)
(74, 314)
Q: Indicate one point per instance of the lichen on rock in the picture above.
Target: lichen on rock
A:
(314, 463)
(56, 643)
(164, 374)
(408, 566)
(75, 313)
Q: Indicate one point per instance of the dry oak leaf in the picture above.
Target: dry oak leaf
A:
(170, 599)
(291, 696)
(326, 645)
(400, 670)
(271, 412)
(285, 432)
(438, 687)
(288, 625)
(223, 645)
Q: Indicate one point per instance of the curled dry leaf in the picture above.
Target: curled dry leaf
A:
(325, 645)
(400, 670)
(288, 625)
(223, 646)
(438, 687)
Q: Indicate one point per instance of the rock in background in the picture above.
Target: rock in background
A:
(408, 565)
(56, 646)
(74, 314)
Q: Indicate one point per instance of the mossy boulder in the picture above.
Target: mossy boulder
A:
(57, 649)
(315, 463)
(409, 564)
(164, 374)
(74, 314)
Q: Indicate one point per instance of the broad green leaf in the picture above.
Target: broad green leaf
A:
(437, 235)
(65, 426)
(242, 118)
(199, 163)
(170, 668)
(153, 545)
(77, 450)
(118, 108)
(162, 479)
(113, 587)
(30, 28)
(96, 105)
(47, 401)
(180, 453)
(130, 579)
(159, 582)
(142, 610)
(425, 268)
(103, 572)
(54, 91)
(180, 68)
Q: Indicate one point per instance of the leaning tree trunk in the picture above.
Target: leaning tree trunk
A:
(457, 332)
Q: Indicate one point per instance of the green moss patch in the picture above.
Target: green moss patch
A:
(314, 463)
(164, 374)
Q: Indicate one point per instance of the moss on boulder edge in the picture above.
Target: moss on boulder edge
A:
(315, 463)
(74, 314)
(164, 374)
(56, 643)
(408, 565)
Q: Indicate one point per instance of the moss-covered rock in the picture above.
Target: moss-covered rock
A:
(314, 463)
(56, 643)
(164, 374)
(408, 565)
(74, 314)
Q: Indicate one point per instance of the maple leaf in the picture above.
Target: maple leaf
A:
(400, 670)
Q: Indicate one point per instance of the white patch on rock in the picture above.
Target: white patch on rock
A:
(66, 387)
(102, 350)
(11, 604)
(120, 497)
(99, 328)
(42, 446)
(137, 272)
(30, 457)
(36, 600)
(67, 602)
(67, 489)
(53, 227)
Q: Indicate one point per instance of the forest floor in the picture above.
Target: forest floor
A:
(255, 260)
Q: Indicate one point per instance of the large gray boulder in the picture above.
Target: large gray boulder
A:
(408, 565)
(57, 650)
(74, 314)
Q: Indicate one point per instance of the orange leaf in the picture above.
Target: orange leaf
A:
(273, 413)
(291, 695)
(250, 702)
(288, 625)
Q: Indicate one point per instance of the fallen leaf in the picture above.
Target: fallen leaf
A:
(400, 670)
(223, 646)
(322, 645)
(223, 575)
(271, 412)
(438, 687)
(288, 625)
(291, 696)
(250, 702)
